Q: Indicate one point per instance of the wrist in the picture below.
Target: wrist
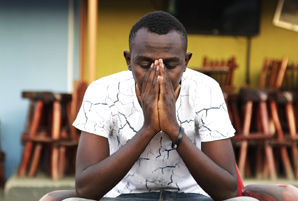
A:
(172, 131)
(149, 131)
(176, 143)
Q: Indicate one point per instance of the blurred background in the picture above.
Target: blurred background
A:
(47, 45)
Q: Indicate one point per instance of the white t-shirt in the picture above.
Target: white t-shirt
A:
(111, 109)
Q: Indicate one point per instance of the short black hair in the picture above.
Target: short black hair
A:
(158, 22)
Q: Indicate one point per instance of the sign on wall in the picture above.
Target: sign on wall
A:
(286, 15)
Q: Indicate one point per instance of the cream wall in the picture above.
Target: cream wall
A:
(116, 18)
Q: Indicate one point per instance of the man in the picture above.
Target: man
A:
(159, 130)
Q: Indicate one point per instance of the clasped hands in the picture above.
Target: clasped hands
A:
(158, 98)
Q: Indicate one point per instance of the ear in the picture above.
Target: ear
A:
(127, 59)
(188, 56)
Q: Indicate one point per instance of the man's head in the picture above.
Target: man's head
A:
(158, 22)
(158, 35)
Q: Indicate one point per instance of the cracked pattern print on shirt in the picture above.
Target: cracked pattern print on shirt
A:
(110, 109)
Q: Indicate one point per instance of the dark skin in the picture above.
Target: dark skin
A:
(157, 63)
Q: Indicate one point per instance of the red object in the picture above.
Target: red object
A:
(268, 192)
(240, 183)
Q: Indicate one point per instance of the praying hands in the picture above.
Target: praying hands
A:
(158, 99)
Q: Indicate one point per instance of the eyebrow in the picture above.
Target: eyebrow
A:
(174, 59)
(143, 58)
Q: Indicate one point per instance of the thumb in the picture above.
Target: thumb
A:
(161, 88)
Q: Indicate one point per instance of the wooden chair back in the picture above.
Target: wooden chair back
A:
(273, 73)
(291, 78)
(221, 70)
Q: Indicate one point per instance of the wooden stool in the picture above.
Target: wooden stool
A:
(48, 123)
(281, 105)
(254, 100)
(284, 114)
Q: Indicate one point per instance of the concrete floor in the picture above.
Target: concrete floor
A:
(32, 189)
(1, 194)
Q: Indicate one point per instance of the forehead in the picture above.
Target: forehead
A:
(146, 43)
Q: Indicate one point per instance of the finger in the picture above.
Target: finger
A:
(169, 91)
(162, 69)
(165, 75)
(162, 85)
(156, 73)
(155, 86)
(150, 93)
(146, 81)
(153, 76)
(165, 82)
(157, 90)
(161, 91)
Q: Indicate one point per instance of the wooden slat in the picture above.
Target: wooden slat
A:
(56, 135)
(29, 145)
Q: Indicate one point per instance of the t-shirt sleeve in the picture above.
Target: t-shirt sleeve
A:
(212, 116)
(94, 115)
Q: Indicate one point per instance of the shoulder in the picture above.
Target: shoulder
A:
(198, 80)
(124, 77)
(113, 78)
(109, 86)
(202, 89)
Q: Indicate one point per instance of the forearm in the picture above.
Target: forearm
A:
(97, 179)
(218, 182)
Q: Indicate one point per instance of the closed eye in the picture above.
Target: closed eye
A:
(172, 63)
(145, 65)
(170, 66)
(143, 62)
